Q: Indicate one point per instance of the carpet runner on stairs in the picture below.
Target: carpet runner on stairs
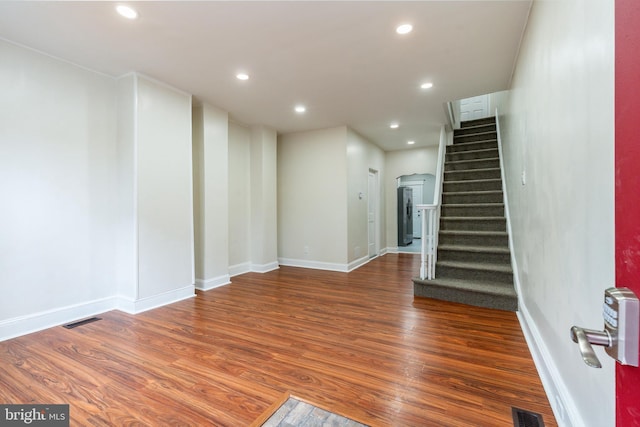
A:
(474, 262)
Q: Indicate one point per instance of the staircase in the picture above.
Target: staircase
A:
(474, 262)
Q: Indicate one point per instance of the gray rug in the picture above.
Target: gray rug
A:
(295, 413)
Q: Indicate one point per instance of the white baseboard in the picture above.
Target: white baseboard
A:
(18, 326)
(316, 265)
(265, 268)
(562, 404)
(383, 251)
(215, 282)
(358, 263)
(143, 304)
(237, 269)
(392, 250)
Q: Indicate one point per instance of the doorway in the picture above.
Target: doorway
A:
(474, 108)
(423, 186)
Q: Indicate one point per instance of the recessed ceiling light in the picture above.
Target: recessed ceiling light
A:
(242, 76)
(411, 142)
(394, 125)
(126, 11)
(404, 29)
(426, 85)
(300, 109)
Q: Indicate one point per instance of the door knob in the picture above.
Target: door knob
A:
(586, 337)
(621, 335)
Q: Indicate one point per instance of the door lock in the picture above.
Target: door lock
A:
(621, 330)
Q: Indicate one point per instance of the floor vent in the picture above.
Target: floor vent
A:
(522, 418)
(81, 322)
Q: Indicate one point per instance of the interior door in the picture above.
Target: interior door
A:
(627, 196)
(474, 108)
(372, 203)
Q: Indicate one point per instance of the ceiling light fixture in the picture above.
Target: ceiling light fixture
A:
(404, 29)
(126, 11)
(426, 85)
(411, 142)
(394, 126)
(300, 109)
(242, 76)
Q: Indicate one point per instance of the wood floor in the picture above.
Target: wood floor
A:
(357, 344)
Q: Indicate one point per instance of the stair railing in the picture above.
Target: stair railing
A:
(431, 218)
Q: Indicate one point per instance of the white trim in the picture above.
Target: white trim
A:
(359, 262)
(557, 393)
(18, 326)
(265, 268)
(57, 58)
(316, 265)
(392, 250)
(214, 282)
(383, 251)
(241, 268)
(161, 83)
(143, 304)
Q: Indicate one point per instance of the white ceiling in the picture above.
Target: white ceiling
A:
(343, 60)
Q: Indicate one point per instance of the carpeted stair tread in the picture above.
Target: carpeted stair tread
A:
(487, 127)
(477, 122)
(475, 249)
(471, 145)
(475, 181)
(483, 288)
(475, 232)
(472, 205)
(484, 153)
(502, 268)
(473, 218)
(479, 193)
(490, 132)
(463, 292)
(472, 160)
(450, 172)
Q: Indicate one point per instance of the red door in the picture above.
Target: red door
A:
(627, 170)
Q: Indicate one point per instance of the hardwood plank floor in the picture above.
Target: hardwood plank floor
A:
(355, 343)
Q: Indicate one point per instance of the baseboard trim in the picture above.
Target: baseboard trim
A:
(316, 265)
(215, 282)
(144, 304)
(237, 269)
(265, 268)
(358, 263)
(562, 404)
(23, 325)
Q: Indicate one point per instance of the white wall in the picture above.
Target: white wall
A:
(362, 155)
(58, 190)
(558, 130)
(398, 163)
(312, 199)
(154, 169)
(211, 196)
(239, 198)
(264, 199)
(164, 189)
(126, 267)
